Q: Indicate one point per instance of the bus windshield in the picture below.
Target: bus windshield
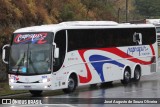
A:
(30, 55)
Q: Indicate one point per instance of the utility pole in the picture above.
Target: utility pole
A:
(126, 11)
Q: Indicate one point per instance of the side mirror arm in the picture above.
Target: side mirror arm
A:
(4, 53)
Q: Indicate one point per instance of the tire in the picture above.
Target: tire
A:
(137, 75)
(35, 92)
(126, 77)
(72, 84)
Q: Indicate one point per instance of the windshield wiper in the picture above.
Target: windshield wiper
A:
(31, 63)
(19, 62)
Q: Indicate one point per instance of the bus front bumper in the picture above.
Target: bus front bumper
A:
(30, 86)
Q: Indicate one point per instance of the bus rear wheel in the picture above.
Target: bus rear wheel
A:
(126, 77)
(72, 84)
(137, 75)
(35, 92)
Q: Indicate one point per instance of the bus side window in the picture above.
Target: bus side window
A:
(60, 40)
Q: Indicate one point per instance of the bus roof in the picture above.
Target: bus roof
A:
(90, 23)
(155, 22)
(80, 25)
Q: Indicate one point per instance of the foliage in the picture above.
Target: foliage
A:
(148, 8)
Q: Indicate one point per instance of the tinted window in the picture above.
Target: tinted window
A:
(81, 39)
(101, 38)
(60, 40)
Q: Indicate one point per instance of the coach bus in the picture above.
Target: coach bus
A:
(70, 54)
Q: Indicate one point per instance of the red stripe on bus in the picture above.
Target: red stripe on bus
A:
(89, 75)
(122, 54)
(153, 52)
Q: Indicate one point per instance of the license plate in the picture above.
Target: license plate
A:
(27, 87)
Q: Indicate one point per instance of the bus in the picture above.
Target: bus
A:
(76, 53)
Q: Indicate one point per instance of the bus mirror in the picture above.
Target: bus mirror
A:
(134, 37)
(5, 53)
(140, 39)
(137, 38)
(56, 53)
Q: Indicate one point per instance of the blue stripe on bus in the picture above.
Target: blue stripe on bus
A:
(99, 65)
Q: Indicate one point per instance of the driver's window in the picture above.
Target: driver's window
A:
(60, 40)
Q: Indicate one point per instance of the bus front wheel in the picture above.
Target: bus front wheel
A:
(72, 84)
(35, 92)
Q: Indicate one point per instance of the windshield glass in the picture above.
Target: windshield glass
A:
(30, 55)
(39, 59)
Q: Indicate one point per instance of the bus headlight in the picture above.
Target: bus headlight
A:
(12, 80)
(44, 80)
(11, 87)
(45, 87)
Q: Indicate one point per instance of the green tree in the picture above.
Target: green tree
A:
(73, 10)
(148, 8)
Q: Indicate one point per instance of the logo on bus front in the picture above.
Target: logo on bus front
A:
(33, 38)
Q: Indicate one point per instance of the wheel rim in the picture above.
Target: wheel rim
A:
(137, 75)
(127, 75)
(71, 83)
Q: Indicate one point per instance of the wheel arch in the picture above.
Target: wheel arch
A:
(71, 83)
(73, 73)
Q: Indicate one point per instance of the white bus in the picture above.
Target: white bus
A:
(71, 54)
